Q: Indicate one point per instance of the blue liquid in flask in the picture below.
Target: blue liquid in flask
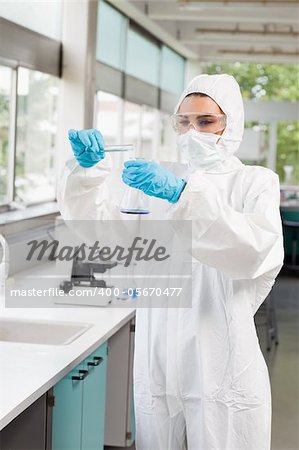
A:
(134, 211)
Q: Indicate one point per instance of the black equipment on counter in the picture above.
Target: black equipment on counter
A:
(83, 274)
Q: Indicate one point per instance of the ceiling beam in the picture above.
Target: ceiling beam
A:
(227, 45)
(237, 32)
(237, 4)
(170, 11)
(255, 52)
(187, 37)
(206, 53)
(233, 57)
(242, 45)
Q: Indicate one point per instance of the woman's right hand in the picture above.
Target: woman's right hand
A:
(88, 146)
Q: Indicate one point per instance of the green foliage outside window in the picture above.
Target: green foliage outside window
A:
(278, 82)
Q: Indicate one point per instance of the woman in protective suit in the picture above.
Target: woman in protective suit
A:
(200, 380)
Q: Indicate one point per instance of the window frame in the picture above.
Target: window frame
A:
(120, 82)
(46, 57)
(5, 206)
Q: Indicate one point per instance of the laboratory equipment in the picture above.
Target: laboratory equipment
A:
(134, 201)
(83, 275)
(119, 148)
(89, 146)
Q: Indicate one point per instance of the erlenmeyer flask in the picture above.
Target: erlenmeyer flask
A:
(134, 201)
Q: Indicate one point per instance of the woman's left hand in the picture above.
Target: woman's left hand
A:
(153, 179)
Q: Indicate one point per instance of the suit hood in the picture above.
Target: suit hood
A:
(225, 91)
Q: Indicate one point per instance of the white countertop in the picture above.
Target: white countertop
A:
(29, 370)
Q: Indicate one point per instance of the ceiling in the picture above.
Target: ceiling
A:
(232, 30)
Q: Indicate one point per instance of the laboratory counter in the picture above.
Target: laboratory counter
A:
(30, 370)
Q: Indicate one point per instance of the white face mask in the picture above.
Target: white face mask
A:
(200, 149)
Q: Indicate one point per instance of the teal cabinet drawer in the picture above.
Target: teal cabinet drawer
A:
(67, 412)
(94, 400)
(79, 405)
(101, 351)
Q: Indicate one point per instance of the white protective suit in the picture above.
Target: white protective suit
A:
(200, 380)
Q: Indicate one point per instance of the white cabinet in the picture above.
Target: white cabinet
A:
(120, 421)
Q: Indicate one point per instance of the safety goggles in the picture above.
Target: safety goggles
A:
(202, 122)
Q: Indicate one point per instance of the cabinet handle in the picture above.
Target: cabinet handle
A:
(82, 374)
(97, 360)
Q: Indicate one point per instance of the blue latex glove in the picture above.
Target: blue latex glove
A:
(88, 146)
(153, 179)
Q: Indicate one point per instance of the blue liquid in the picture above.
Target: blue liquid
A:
(134, 211)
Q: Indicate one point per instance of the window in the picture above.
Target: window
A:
(167, 149)
(131, 125)
(134, 64)
(151, 133)
(5, 119)
(172, 71)
(27, 165)
(254, 147)
(36, 137)
(288, 152)
(108, 120)
(143, 58)
(270, 82)
(111, 36)
(149, 130)
(28, 101)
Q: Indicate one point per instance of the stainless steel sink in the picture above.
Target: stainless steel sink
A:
(41, 332)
